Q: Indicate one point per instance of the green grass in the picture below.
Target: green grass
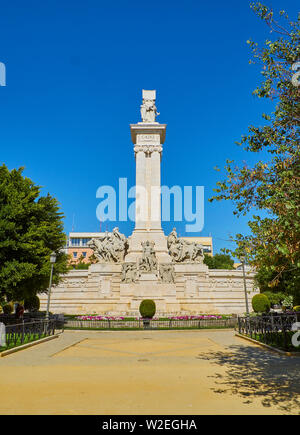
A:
(276, 340)
(27, 339)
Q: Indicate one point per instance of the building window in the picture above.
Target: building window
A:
(75, 242)
(85, 241)
(75, 254)
(84, 254)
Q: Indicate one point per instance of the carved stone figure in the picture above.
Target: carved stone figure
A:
(129, 272)
(148, 108)
(110, 248)
(167, 273)
(148, 262)
(183, 251)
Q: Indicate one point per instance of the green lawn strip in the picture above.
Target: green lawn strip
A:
(27, 339)
(277, 340)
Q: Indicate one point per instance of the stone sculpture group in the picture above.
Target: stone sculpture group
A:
(109, 248)
(112, 248)
(183, 251)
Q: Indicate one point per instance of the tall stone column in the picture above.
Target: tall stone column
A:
(148, 137)
(141, 203)
(155, 200)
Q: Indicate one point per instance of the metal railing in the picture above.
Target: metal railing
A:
(273, 329)
(11, 319)
(26, 332)
(151, 324)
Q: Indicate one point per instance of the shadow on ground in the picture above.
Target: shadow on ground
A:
(255, 373)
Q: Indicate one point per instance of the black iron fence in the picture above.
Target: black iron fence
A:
(276, 330)
(151, 324)
(25, 332)
(11, 319)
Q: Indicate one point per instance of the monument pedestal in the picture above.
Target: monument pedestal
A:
(149, 286)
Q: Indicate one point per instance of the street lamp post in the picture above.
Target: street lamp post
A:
(52, 261)
(245, 286)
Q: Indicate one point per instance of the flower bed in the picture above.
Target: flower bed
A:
(171, 322)
(200, 317)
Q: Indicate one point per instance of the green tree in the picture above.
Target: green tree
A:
(30, 229)
(266, 280)
(275, 298)
(272, 184)
(218, 261)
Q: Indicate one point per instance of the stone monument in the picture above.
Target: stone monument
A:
(149, 264)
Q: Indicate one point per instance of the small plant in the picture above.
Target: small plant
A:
(297, 308)
(7, 308)
(288, 302)
(32, 303)
(147, 308)
(261, 303)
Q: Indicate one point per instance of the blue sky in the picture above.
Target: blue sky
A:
(75, 73)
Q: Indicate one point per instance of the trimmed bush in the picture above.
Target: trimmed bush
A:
(7, 308)
(261, 303)
(32, 303)
(147, 308)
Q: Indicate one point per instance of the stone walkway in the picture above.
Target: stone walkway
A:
(149, 372)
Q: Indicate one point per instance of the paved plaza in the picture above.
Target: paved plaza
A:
(149, 372)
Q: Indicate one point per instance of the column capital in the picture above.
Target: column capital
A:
(148, 149)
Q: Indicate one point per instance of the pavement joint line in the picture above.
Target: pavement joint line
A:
(110, 350)
(179, 349)
(67, 347)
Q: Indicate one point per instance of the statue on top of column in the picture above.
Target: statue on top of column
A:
(148, 108)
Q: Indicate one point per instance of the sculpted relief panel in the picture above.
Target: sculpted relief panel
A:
(148, 262)
(167, 273)
(73, 282)
(129, 273)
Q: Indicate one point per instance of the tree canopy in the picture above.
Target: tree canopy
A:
(219, 261)
(272, 185)
(31, 228)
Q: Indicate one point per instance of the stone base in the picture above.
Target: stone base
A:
(196, 290)
(148, 287)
